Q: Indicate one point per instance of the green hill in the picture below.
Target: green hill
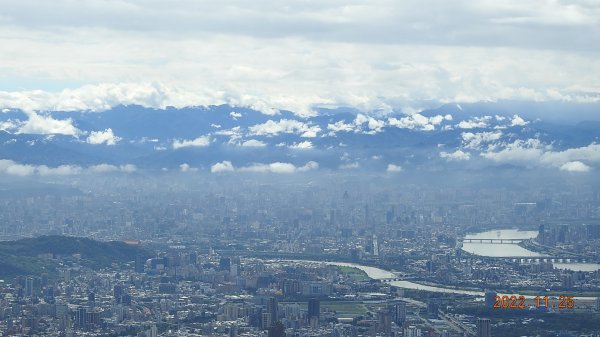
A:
(41, 254)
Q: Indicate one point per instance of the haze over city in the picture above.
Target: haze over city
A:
(342, 168)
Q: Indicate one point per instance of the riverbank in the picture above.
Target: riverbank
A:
(382, 274)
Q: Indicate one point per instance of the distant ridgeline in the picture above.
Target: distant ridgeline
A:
(42, 254)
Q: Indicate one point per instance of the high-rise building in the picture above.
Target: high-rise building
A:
(272, 308)
(490, 299)
(276, 330)
(314, 308)
(49, 298)
(152, 332)
(384, 323)
(266, 320)
(412, 331)
(432, 309)
(81, 318)
(225, 264)
(139, 264)
(29, 287)
(233, 331)
(92, 299)
(567, 281)
(118, 292)
(332, 218)
(398, 312)
(484, 327)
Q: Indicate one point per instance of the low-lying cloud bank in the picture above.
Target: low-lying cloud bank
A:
(11, 167)
(276, 167)
(531, 153)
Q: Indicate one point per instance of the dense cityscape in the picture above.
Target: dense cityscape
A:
(345, 259)
(297, 168)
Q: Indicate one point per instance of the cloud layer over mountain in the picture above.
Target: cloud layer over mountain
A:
(381, 55)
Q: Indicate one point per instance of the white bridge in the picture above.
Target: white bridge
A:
(498, 241)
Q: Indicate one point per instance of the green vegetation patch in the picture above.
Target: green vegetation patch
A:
(354, 273)
(36, 255)
(349, 309)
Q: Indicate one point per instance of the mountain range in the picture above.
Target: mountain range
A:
(223, 139)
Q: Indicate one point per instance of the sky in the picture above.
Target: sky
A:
(377, 55)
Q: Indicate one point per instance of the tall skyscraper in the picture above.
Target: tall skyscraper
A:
(81, 318)
(399, 313)
(224, 264)
(139, 264)
(49, 298)
(266, 321)
(484, 327)
(29, 287)
(276, 330)
(314, 308)
(272, 308)
(233, 331)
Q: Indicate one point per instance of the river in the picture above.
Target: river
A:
(509, 250)
(500, 250)
(378, 274)
(482, 249)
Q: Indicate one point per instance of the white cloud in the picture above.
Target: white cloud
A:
(103, 168)
(106, 168)
(100, 137)
(350, 166)
(277, 167)
(533, 153)
(254, 143)
(9, 126)
(418, 122)
(46, 125)
(224, 166)
(302, 145)
(128, 168)
(518, 121)
(272, 128)
(62, 170)
(202, 141)
(235, 115)
(475, 140)
(377, 55)
(187, 168)
(340, 126)
(13, 168)
(394, 168)
(522, 152)
(475, 123)
(575, 166)
(234, 134)
(457, 155)
(310, 166)
(372, 124)
(590, 153)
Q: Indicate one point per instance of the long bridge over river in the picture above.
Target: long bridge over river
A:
(554, 255)
(486, 240)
